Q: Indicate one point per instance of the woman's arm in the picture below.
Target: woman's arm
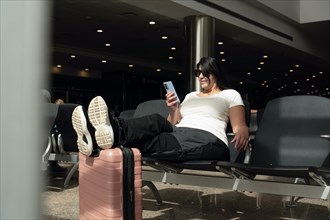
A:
(240, 129)
(174, 117)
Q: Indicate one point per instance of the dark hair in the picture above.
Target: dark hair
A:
(210, 65)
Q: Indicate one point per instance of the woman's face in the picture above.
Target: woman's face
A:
(207, 83)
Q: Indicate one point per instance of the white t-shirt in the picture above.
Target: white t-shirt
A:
(209, 113)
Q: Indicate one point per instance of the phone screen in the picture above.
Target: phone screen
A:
(170, 88)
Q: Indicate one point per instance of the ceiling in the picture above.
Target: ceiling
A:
(133, 41)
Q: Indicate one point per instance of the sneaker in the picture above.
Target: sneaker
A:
(79, 123)
(99, 118)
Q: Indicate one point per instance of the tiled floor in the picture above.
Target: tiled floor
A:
(187, 202)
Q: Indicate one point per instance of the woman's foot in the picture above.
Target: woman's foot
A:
(79, 123)
(99, 118)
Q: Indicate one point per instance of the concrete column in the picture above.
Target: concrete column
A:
(25, 29)
(199, 40)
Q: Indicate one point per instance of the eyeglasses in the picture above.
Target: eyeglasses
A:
(198, 72)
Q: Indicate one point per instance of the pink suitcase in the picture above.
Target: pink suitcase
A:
(105, 188)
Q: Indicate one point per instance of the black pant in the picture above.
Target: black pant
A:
(154, 136)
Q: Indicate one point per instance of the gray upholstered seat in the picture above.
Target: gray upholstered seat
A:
(288, 141)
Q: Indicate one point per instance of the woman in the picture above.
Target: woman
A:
(194, 129)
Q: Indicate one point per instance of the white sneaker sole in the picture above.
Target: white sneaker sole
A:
(80, 126)
(98, 116)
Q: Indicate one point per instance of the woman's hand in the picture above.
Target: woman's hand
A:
(240, 129)
(241, 138)
(171, 101)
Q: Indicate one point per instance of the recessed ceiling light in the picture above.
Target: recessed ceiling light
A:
(259, 68)
(220, 42)
(164, 37)
(130, 65)
(152, 22)
(158, 70)
(265, 56)
(223, 60)
(248, 73)
(107, 45)
(99, 31)
(296, 82)
(297, 65)
(262, 63)
(222, 52)
(286, 74)
(307, 79)
(86, 69)
(104, 61)
(170, 58)
(313, 76)
(73, 56)
(320, 72)
(179, 73)
(59, 65)
(241, 83)
(173, 48)
(290, 71)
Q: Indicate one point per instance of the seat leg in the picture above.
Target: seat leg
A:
(70, 174)
(292, 203)
(154, 191)
(258, 200)
(45, 155)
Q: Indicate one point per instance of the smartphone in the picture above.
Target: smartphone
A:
(170, 88)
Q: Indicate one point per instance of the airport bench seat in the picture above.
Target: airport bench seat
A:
(62, 144)
(288, 143)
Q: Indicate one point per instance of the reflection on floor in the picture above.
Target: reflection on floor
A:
(187, 202)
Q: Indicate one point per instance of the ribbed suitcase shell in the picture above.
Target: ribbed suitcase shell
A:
(100, 185)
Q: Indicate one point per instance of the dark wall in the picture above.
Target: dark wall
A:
(120, 90)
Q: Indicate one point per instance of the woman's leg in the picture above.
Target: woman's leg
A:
(163, 146)
(200, 145)
(111, 131)
(152, 135)
(137, 130)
